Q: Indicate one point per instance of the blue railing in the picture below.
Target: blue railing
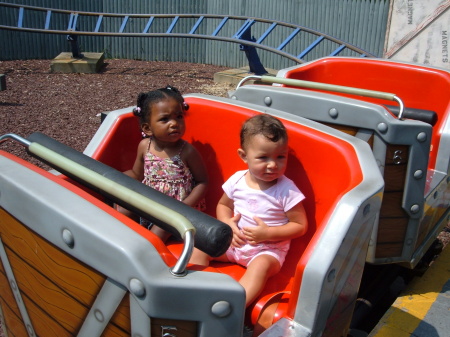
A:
(295, 46)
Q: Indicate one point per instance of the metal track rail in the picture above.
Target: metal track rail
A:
(295, 44)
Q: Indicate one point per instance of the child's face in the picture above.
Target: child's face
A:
(266, 160)
(166, 121)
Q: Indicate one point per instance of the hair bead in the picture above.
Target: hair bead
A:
(137, 111)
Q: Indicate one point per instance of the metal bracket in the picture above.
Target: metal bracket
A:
(103, 308)
(73, 39)
(16, 291)
(254, 62)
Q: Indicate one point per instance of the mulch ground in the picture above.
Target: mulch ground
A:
(67, 106)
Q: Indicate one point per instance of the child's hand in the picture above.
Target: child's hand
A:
(238, 237)
(258, 233)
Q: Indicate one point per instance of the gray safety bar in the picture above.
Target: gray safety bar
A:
(182, 225)
(326, 87)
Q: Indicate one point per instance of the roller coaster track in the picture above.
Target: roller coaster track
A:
(297, 41)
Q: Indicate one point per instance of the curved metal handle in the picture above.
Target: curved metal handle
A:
(161, 212)
(180, 267)
(20, 140)
(327, 87)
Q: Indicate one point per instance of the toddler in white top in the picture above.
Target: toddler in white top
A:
(262, 206)
(269, 205)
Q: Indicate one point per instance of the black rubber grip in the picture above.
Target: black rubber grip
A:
(212, 236)
(427, 116)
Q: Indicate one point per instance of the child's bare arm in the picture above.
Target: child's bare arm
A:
(137, 171)
(297, 226)
(225, 213)
(198, 169)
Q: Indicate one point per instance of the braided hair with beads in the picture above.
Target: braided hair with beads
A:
(146, 100)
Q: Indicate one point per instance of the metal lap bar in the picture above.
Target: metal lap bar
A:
(148, 25)
(124, 24)
(338, 50)
(289, 39)
(327, 87)
(18, 139)
(267, 32)
(172, 26)
(176, 220)
(99, 23)
(197, 24)
(140, 202)
(310, 47)
(220, 26)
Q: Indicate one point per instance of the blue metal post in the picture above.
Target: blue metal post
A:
(254, 62)
(73, 39)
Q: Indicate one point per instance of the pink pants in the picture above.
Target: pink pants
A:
(245, 254)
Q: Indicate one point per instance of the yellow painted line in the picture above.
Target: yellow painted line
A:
(410, 308)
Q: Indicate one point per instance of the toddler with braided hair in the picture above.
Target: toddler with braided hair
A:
(164, 160)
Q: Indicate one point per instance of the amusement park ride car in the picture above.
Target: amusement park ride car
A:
(369, 148)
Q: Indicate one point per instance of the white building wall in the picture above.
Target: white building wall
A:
(418, 31)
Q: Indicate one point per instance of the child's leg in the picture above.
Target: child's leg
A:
(161, 233)
(260, 269)
(200, 258)
(126, 212)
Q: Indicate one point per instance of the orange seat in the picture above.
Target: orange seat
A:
(418, 86)
(213, 128)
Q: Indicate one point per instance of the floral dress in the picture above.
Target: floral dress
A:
(170, 176)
